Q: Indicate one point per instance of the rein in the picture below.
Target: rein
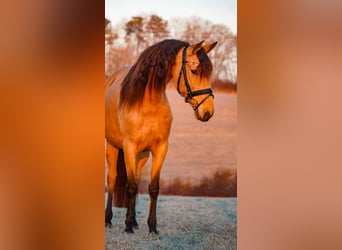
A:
(189, 93)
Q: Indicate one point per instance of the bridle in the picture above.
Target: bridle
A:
(189, 93)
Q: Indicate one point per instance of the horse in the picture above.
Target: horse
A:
(138, 118)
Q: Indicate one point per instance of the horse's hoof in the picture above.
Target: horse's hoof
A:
(108, 224)
(129, 230)
(154, 231)
(135, 225)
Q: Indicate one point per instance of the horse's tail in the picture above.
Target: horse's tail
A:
(120, 197)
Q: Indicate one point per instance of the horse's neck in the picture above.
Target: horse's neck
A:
(155, 98)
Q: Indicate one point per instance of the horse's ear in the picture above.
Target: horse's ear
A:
(208, 47)
(197, 47)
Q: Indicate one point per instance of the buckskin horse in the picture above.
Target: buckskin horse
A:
(138, 118)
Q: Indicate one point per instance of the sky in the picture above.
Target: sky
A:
(216, 11)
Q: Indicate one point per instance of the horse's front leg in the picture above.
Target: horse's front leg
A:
(141, 161)
(132, 187)
(158, 158)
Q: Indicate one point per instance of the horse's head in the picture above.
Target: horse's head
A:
(191, 75)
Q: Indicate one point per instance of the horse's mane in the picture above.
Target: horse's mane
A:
(152, 69)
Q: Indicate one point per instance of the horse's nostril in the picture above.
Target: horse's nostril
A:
(206, 116)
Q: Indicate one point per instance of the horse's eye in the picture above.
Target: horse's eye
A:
(194, 71)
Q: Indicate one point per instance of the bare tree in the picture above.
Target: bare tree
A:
(110, 36)
(156, 29)
(224, 57)
(134, 27)
(197, 29)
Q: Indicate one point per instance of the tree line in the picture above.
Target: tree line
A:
(126, 40)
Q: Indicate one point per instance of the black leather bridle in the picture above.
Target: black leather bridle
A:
(189, 93)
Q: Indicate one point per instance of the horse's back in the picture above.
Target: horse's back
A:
(117, 75)
(113, 85)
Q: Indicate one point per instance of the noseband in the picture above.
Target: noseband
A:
(189, 93)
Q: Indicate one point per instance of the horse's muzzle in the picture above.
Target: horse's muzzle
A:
(205, 117)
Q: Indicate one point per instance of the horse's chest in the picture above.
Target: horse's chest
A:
(155, 126)
(148, 129)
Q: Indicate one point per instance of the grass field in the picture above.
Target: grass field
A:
(183, 223)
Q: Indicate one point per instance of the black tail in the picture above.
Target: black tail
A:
(120, 199)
